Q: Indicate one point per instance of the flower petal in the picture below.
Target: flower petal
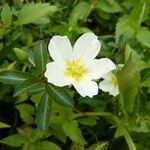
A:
(87, 47)
(114, 91)
(108, 76)
(86, 88)
(105, 85)
(55, 75)
(99, 67)
(60, 49)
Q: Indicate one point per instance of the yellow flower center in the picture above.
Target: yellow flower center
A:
(75, 69)
(114, 80)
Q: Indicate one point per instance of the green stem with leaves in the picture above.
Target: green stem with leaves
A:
(114, 118)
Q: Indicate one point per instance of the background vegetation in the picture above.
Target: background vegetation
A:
(26, 100)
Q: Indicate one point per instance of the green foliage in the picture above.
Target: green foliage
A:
(40, 56)
(41, 116)
(30, 12)
(14, 140)
(44, 112)
(4, 125)
(13, 77)
(59, 95)
(128, 80)
(6, 15)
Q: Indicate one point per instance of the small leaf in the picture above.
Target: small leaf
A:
(29, 87)
(40, 55)
(71, 129)
(31, 12)
(6, 15)
(14, 140)
(26, 111)
(13, 77)
(46, 145)
(44, 112)
(80, 11)
(20, 54)
(59, 95)
(4, 125)
(108, 7)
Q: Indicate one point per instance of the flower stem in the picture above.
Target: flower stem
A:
(129, 140)
(101, 114)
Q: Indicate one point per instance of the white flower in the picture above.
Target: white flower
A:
(109, 84)
(77, 65)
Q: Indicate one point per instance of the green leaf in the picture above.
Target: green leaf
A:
(140, 12)
(125, 26)
(143, 36)
(46, 145)
(80, 11)
(13, 77)
(40, 50)
(6, 15)
(59, 95)
(26, 111)
(140, 64)
(71, 129)
(31, 12)
(20, 54)
(108, 7)
(14, 140)
(44, 112)
(29, 87)
(4, 125)
(128, 80)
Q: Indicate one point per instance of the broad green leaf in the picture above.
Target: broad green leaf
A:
(59, 95)
(26, 111)
(31, 12)
(46, 145)
(29, 87)
(4, 125)
(72, 130)
(80, 11)
(14, 140)
(143, 36)
(6, 15)
(128, 80)
(40, 51)
(44, 112)
(13, 77)
(108, 7)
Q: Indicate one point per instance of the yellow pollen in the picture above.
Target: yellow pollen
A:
(114, 80)
(75, 69)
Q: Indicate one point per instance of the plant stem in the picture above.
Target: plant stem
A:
(129, 140)
(114, 118)
(101, 114)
